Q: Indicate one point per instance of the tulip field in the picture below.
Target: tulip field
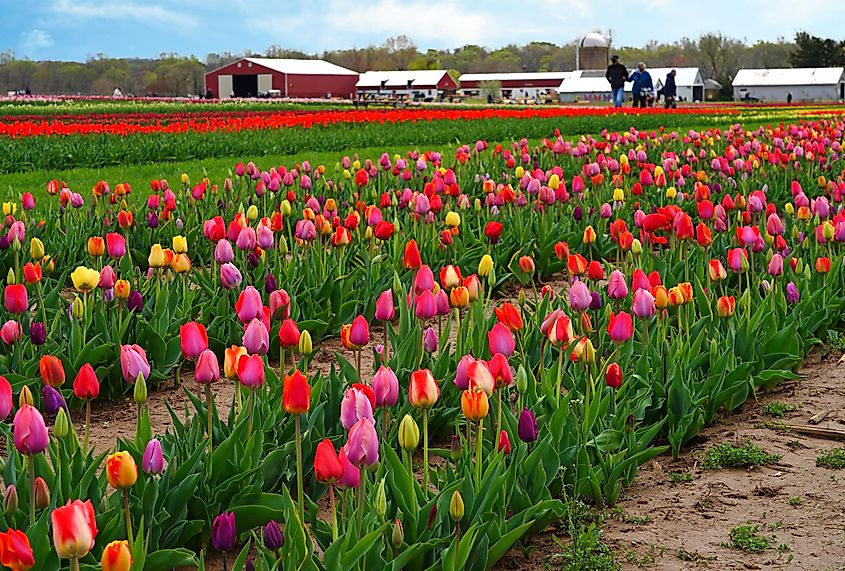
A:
(520, 319)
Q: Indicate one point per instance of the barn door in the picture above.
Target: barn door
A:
(224, 86)
(265, 83)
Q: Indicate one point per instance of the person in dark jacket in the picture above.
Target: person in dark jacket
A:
(670, 90)
(643, 86)
(617, 75)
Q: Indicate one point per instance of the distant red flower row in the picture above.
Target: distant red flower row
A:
(110, 124)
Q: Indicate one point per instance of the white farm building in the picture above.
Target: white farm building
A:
(805, 84)
(593, 86)
(421, 84)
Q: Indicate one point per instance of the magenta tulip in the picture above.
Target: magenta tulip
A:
(386, 387)
(362, 445)
(384, 306)
(251, 371)
(30, 431)
(207, 368)
(500, 340)
(256, 338)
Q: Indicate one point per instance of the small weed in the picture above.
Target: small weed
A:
(637, 519)
(833, 459)
(693, 557)
(795, 501)
(727, 455)
(784, 548)
(587, 552)
(795, 445)
(779, 409)
(680, 477)
(775, 526)
(745, 537)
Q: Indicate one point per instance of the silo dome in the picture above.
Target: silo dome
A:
(593, 40)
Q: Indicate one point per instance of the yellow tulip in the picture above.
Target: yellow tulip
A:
(485, 266)
(85, 279)
(180, 244)
(36, 249)
(121, 470)
(453, 219)
(156, 257)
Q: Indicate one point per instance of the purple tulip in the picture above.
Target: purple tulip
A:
(223, 252)
(53, 400)
(643, 305)
(230, 276)
(38, 333)
(595, 301)
(224, 533)
(355, 406)
(430, 341)
(462, 374)
(153, 461)
(135, 302)
(792, 295)
(270, 284)
(273, 537)
(527, 428)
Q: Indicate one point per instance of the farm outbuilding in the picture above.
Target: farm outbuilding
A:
(805, 84)
(688, 80)
(261, 77)
(592, 52)
(427, 84)
(513, 85)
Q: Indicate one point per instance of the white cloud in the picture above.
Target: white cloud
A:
(35, 40)
(122, 10)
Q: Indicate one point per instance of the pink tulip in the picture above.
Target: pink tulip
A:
(30, 431)
(223, 252)
(249, 305)
(133, 362)
(355, 406)
(442, 302)
(384, 306)
(207, 368)
(430, 340)
(500, 340)
(351, 475)
(362, 445)
(5, 398)
(501, 370)
(643, 304)
(640, 280)
(251, 371)
(246, 239)
(256, 337)
(230, 276)
(359, 333)
(280, 304)
(386, 387)
(11, 332)
(776, 265)
(616, 286)
(264, 237)
(462, 374)
(620, 327)
(579, 296)
(423, 280)
(193, 340)
(425, 305)
(107, 278)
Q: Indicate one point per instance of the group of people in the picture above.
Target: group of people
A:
(643, 86)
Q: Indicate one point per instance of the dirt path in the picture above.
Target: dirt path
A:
(799, 506)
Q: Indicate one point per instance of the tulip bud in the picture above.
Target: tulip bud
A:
(636, 247)
(381, 499)
(521, 380)
(10, 500)
(520, 298)
(16, 244)
(62, 426)
(25, 396)
(285, 207)
(398, 535)
(140, 393)
(42, 493)
(36, 249)
(77, 308)
(397, 284)
(11, 279)
(274, 539)
(409, 434)
(456, 507)
(485, 266)
(305, 346)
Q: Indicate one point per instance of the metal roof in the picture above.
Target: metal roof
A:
(594, 81)
(685, 76)
(587, 84)
(794, 76)
(401, 79)
(593, 40)
(536, 76)
(301, 66)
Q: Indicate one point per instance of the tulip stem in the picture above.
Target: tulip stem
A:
(498, 414)
(458, 336)
(559, 374)
(300, 498)
(478, 443)
(386, 351)
(87, 425)
(31, 466)
(361, 486)
(208, 405)
(333, 509)
(251, 406)
(425, 452)
(128, 519)
(74, 564)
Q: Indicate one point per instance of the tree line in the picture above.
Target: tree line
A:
(718, 56)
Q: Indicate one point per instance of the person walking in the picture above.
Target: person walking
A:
(642, 87)
(617, 75)
(670, 91)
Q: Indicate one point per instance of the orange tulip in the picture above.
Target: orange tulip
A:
(726, 306)
(116, 556)
(474, 404)
(509, 316)
(52, 372)
(459, 296)
(231, 357)
(96, 246)
(121, 470)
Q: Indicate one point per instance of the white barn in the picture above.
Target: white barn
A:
(514, 85)
(593, 86)
(420, 84)
(805, 84)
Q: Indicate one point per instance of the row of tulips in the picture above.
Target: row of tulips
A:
(647, 322)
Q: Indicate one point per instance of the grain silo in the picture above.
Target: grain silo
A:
(592, 52)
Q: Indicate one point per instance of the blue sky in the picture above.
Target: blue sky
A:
(77, 29)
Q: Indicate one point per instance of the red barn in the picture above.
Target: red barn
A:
(254, 77)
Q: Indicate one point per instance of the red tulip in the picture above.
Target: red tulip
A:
(493, 230)
(32, 272)
(193, 339)
(289, 334)
(86, 385)
(595, 271)
(327, 466)
(504, 445)
(15, 298)
(620, 327)
(412, 258)
(822, 265)
(15, 551)
(423, 390)
(613, 376)
(74, 529)
(509, 315)
(296, 394)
